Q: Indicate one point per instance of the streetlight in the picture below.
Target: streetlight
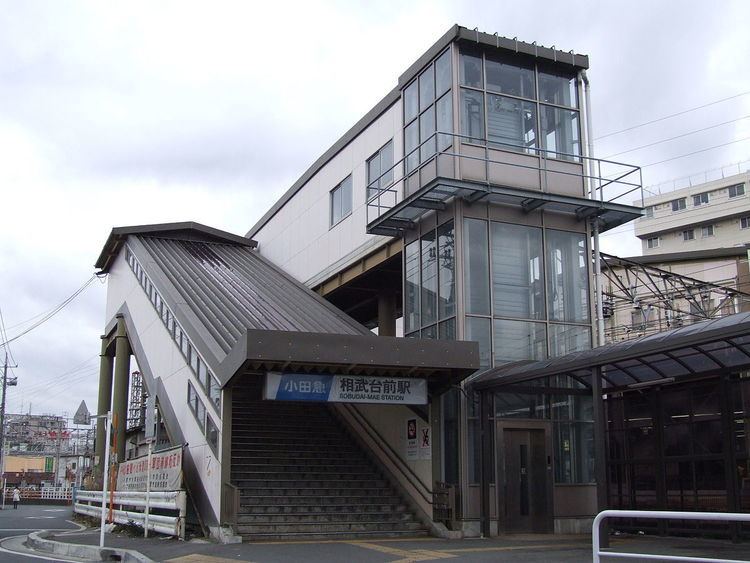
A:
(108, 416)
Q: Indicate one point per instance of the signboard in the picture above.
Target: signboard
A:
(344, 389)
(166, 472)
(411, 439)
(150, 429)
(425, 443)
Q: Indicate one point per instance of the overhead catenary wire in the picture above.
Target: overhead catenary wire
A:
(51, 313)
(683, 112)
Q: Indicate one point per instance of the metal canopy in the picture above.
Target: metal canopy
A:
(703, 348)
(435, 195)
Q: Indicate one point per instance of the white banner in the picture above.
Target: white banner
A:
(344, 389)
(166, 472)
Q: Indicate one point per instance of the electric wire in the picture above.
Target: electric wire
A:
(695, 152)
(693, 132)
(52, 313)
(683, 112)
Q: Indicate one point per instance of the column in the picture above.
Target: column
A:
(120, 391)
(386, 314)
(105, 397)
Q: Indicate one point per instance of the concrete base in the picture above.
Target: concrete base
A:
(39, 541)
(224, 534)
(581, 525)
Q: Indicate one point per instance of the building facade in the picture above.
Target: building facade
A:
(455, 220)
(711, 215)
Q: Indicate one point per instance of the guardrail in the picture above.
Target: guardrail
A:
(175, 501)
(44, 493)
(660, 515)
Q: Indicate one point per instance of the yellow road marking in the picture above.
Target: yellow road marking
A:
(406, 555)
(195, 558)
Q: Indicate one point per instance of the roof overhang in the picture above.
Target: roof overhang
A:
(185, 230)
(698, 350)
(442, 362)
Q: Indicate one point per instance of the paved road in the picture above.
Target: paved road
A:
(29, 518)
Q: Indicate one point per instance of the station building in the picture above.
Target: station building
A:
(342, 369)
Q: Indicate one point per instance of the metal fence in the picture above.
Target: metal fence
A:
(660, 515)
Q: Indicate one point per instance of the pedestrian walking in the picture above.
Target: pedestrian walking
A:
(16, 497)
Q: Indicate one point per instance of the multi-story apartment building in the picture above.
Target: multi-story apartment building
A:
(711, 215)
(460, 208)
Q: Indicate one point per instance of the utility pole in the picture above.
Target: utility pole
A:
(2, 422)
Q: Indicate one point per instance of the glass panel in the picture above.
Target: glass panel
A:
(556, 89)
(451, 455)
(478, 330)
(446, 271)
(411, 103)
(510, 79)
(212, 434)
(470, 70)
(567, 277)
(472, 116)
(447, 330)
(373, 173)
(520, 405)
(517, 286)
(429, 279)
(444, 111)
(411, 142)
(511, 123)
(411, 291)
(203, 374)
(443, 76)
(560, 133)
(574, 452)
(564, 339)
(386, 165)
(519, 340)
(346, 196)
(427, 134)
(573, 408)
(426, 88)
(214, 391)
(335, 206)
(430, 332)
(476, 267)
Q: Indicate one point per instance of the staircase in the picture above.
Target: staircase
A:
(301, 476)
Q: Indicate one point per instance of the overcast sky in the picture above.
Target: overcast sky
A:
(127, 113)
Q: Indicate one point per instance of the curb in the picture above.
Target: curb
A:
(39, 541)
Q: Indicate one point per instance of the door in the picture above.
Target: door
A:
(527, 504)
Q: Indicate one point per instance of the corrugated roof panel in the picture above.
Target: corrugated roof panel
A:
(231, 288)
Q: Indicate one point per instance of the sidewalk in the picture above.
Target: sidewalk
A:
(529, 548)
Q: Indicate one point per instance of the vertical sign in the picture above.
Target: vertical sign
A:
(412, 447)
(425, 442)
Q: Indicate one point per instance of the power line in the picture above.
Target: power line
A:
(677, 137)
(52, 313)
(671, 115)
(694, 152)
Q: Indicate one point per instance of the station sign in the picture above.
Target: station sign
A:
(344, 389)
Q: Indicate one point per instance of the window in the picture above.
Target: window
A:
(518, 290)
(196, 406)
(560, 132)
(707, 231)
(558, 89)
(649, 211)
(745, 223)
(511, 123)
(700, 199)
(736, 190)
(679, 204)
(341, 201)
(652, 242)
(472, 116)
(688, 234)
(212, 434)
(379, 170)
(511, 79)
(567, 277)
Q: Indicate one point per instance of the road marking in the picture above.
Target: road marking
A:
(406, 555)
(40, 517)
(516, 547)
(55, 510)
(195, 558)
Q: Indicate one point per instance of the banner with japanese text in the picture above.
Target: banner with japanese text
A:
(344, 389)
(166, 472)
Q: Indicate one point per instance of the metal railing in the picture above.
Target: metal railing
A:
(175, 501)
(660, 515)
(608, 180)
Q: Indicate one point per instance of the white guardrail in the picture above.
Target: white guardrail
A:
(162, 500)
(661, 515)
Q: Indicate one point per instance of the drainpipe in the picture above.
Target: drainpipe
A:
(592, 194)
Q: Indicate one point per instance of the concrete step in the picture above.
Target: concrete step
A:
(252, 445)
(256, 499)
(322, 491)
(322, 509)
(305, 474)
(322, 527)
(324, 518)
(294, 441)
(319, 536)
(370, 483)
